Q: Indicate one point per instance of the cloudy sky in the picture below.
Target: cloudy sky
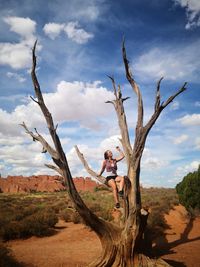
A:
(79, 44)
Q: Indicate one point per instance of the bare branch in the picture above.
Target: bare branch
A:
(34, 77)
(114, 85)
(41, 139)
(136, 89)
(110, 102)
(53, 167)
(171, 98)
(34, 100)
(124, 99)
(157, 100)
(41, 102)
(101, 179)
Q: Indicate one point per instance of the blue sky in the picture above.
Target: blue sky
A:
(79, 44)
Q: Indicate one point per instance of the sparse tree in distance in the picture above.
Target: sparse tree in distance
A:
(121, 244)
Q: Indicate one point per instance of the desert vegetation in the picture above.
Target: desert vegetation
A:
(36, 214)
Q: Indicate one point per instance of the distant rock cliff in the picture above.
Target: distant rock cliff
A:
(42, 183)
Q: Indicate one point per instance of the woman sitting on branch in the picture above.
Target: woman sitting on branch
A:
(110, 165)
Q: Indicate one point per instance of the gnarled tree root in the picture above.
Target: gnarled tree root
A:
(140, 260)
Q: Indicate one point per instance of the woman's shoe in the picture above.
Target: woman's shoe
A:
(121, 193)
(117, 205)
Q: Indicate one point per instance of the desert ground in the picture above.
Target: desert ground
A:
(74, 245)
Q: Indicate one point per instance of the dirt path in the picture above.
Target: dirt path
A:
(75, 245)
(183, 239)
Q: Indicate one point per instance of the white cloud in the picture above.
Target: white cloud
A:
(152, 160)
(180, 139)
(22, 158)
(152, 163)
(25, 27)
(17, 55)
(175, 63)
(190, 120)
(53, 29)
(192, 8)
(78, 101)
(72, 29)
(9, 122)
(81, 102)
(10, 140)
(16, 76)
(77, 34)
(184, 170)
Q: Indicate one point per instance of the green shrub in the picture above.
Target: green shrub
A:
(189, 190)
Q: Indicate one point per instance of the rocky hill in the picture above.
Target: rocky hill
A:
(42, 183)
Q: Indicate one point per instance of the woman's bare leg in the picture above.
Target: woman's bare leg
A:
(120, 181)
(112, 184)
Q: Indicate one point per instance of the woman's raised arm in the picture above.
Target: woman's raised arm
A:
(121, 156)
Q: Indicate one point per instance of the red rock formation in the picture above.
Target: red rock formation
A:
(42, 183)
(85, 184)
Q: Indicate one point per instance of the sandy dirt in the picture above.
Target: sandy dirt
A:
(183, 239)
(74, 245)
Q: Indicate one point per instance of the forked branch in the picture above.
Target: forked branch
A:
(159, 107)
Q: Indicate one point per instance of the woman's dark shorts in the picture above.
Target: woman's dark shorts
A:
(108, 178)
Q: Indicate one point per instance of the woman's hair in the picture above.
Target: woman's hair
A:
(106, 154)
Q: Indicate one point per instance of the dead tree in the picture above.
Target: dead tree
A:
(120, 243)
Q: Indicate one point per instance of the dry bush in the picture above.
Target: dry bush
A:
(70, 215)
(66, 214)
(24, 215)
(38, 224)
